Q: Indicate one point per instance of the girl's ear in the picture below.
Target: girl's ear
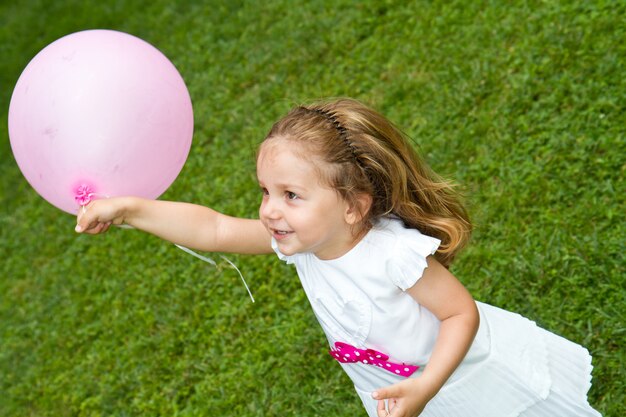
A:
(357, 211)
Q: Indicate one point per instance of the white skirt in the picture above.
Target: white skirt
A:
(513, 369)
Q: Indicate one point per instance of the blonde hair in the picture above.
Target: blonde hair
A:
(367, 154)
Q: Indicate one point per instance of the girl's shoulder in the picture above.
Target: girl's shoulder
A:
(403, 250)
(390, 233)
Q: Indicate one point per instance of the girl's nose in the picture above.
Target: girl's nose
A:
(269, 209)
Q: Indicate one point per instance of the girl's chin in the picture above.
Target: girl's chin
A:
(286, 248)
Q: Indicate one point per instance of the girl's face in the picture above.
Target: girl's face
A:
(301, 213)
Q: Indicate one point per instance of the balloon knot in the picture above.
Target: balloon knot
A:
(83, 195)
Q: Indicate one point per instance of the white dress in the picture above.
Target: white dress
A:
(513, 367)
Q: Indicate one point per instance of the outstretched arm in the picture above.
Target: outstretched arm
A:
(189, 225)
(441, 293)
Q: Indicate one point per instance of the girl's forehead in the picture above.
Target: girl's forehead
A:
(279, 154)
(274, 151)
(273, 147)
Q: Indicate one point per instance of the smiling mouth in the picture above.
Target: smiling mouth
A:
(280, 234)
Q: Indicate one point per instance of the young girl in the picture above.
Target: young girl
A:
(371, 231)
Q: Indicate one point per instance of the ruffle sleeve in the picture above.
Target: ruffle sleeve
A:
(407, 262)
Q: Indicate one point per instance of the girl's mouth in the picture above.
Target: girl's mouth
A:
(280, 234)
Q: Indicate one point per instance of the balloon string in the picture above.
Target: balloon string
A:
(212, 262)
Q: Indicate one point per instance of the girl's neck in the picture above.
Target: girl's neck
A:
(356, 238)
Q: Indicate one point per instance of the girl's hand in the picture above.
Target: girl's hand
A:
(405, 399)
(98, 216)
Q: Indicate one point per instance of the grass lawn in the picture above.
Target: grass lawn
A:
(523, 103)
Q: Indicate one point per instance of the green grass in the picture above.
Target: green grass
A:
(523, 103)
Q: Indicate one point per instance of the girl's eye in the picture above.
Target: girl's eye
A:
(264, 191)
(291, 196)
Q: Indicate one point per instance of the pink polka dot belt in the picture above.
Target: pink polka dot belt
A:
(346, 353)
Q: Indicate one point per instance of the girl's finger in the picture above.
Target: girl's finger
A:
(392, 404)
(97, 229)
(381, 409)
(82, 224)
(93, 228)
(106, 227)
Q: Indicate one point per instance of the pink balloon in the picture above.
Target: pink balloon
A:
(100, 113)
